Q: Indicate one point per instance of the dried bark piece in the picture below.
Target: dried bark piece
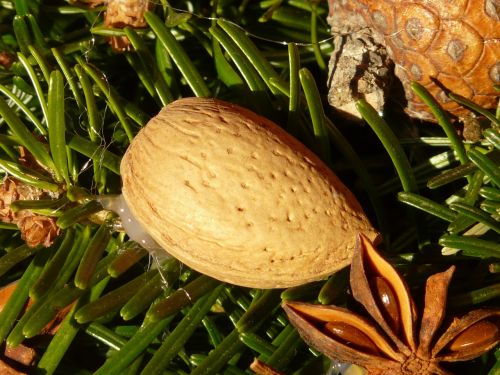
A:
(5, 369)
(360, 69)
(399, 351)
(261, 368)
(21, 354)
(472, 130)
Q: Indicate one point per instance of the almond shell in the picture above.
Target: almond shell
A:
(235, 197)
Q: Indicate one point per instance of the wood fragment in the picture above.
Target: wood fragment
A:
(261, 368)
(5, 369)
(21, 354)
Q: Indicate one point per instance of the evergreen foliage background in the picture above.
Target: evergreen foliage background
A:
(74, 104)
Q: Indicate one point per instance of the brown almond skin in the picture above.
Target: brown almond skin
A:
(233, 196)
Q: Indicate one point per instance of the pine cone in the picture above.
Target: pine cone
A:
(35, 229)
(38, 230)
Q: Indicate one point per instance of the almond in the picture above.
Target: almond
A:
(235, 197)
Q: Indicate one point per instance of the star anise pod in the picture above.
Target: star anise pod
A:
(388, 342)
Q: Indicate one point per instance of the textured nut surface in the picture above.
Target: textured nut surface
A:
(455, 43)
(232, 195)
